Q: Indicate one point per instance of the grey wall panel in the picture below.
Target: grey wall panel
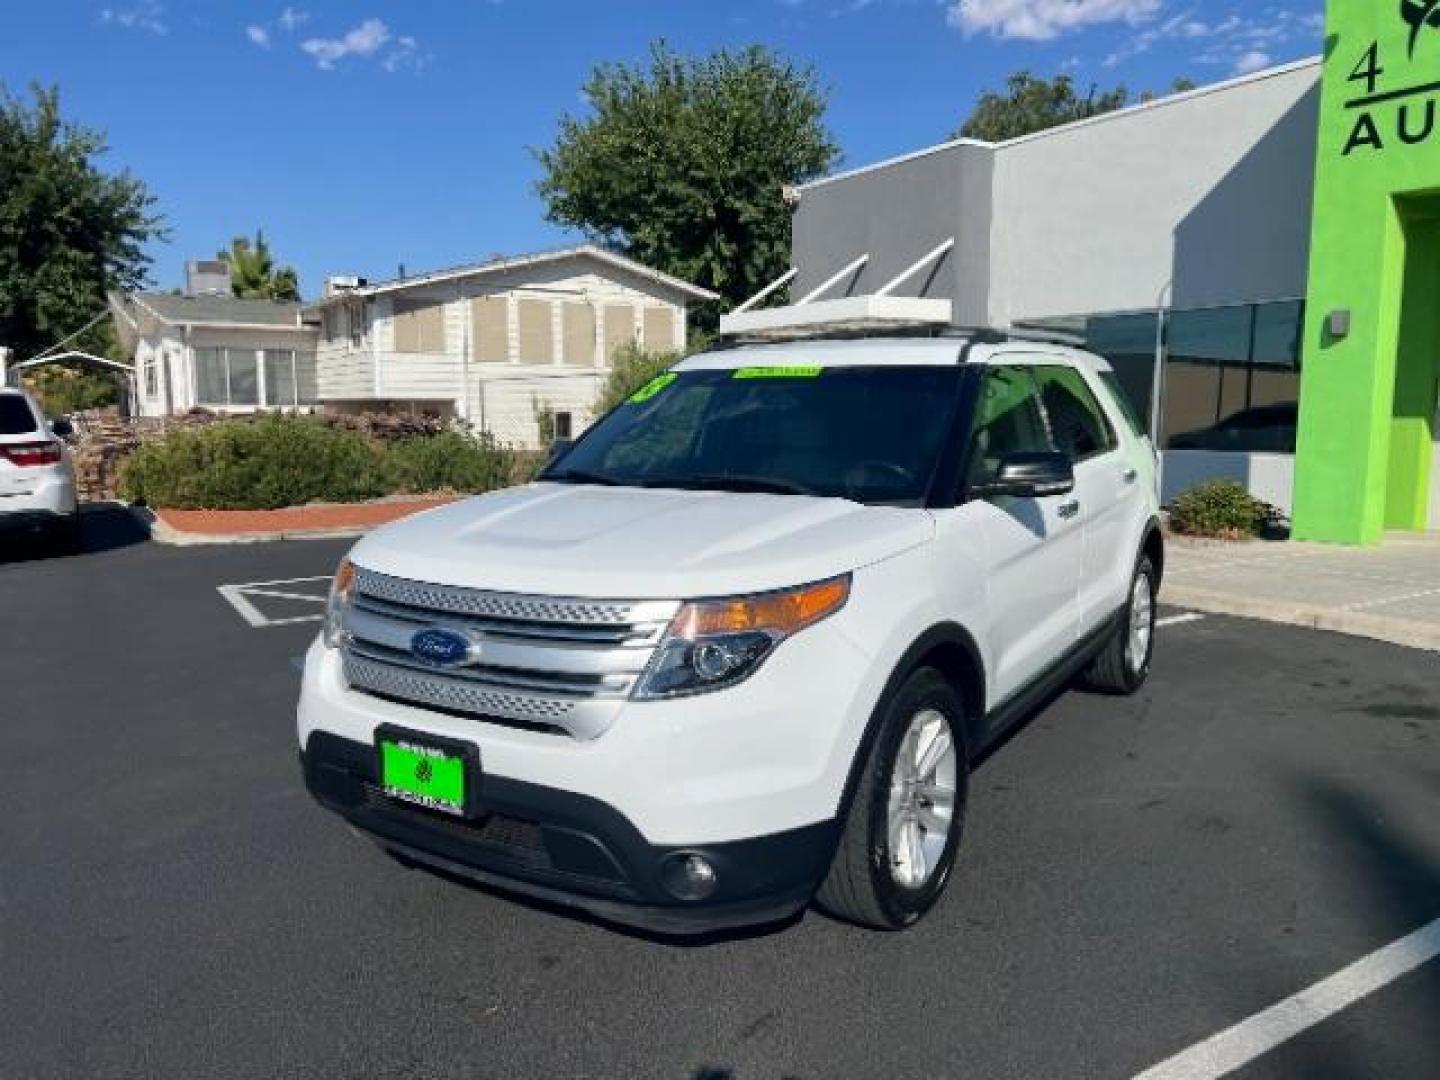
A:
(1209, 196)
(897, 214)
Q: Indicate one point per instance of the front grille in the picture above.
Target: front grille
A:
(565, 663)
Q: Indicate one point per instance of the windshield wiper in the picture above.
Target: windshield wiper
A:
(580, 476)
(728, 482)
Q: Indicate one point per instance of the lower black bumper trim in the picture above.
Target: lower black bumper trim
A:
(572, 850)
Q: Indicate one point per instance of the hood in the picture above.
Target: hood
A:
(641, 544)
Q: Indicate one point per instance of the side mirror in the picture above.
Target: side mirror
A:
(1031, 476)
(558, 449)
(62, 428)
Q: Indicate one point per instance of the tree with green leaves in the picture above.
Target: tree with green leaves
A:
(253, 273)
(1030, 104)
(69, 231)
(682, 164)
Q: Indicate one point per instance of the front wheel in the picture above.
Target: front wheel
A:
(904, 823)
(1124, 664)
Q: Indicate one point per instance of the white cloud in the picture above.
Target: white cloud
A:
(290, 19)
(1254, 60)
(258, 35)
(147, 15)
(367, 39)
(1044, 20)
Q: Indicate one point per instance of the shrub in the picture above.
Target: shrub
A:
(1220, 508)
(259, 464)
(631, 368)
(449, 461)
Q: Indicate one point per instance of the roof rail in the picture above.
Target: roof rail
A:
(846, 330)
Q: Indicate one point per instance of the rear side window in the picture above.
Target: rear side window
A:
(15, 415)
(1008, 421)
(1122, 400)
(1076, 419)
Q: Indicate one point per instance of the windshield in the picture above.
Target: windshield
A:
(871, 435)
(15, 415)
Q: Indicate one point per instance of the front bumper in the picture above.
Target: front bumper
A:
(572, 850)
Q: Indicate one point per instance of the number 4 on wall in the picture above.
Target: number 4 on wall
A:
(1369, 70)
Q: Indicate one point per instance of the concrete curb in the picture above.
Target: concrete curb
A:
(1356, 623)
(161, 533)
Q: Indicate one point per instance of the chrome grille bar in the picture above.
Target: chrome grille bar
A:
(563, 662)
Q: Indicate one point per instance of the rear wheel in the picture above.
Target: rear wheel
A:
(904, 823)
(1124, 664)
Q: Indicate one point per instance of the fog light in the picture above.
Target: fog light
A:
(687, 876)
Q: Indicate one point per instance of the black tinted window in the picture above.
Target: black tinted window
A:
(1008, 421)
(872, 435)
(1080, 428)
(15, 415)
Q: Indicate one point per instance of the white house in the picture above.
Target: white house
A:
(205, 348)
(487, 343)
(491, 342)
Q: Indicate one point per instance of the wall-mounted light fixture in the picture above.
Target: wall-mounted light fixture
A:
(1337, 324)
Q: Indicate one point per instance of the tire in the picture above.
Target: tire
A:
(1124, 664)
(887, 877)
(69, 536)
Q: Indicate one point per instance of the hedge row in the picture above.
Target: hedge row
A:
(279, 461)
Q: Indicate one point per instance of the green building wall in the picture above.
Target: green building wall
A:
(1368, 391)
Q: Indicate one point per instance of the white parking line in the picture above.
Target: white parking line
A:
(1179, 620)
(239, 597)
(1261, 1033)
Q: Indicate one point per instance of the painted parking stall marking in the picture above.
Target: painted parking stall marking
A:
(286, 602)
(1236, 1046)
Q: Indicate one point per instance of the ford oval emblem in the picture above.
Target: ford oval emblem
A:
(440, 647)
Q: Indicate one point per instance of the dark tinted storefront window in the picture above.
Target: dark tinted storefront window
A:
(1232, 374)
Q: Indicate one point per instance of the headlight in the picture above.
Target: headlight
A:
(342, 589)
(712, 644)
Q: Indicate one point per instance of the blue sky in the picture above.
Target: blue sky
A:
(369, 133)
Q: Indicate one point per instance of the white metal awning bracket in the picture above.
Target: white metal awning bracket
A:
(774, 286)
(830, 282)
(914, 268)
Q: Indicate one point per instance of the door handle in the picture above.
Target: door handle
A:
(1130, 476)
(1068, 509)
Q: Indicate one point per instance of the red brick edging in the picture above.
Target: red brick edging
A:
(336, 517)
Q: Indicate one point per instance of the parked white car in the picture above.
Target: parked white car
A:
(37, 477)
(737, 648)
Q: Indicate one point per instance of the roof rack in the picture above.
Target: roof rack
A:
(871, 315)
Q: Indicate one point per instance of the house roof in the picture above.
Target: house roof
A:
(220, 311)
(520, 262)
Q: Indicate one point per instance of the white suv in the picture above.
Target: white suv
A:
(37, 479)
(737, 647)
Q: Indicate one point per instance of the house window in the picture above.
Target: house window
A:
(307, 385)
(419, 326)
(619, 328)
(579, 334)
(490, 329)
(564, 425)
(227, 378)
(211, 382)
(537, 337)
(152, 376)
(279, 378)
(357, 324)
(659, 329)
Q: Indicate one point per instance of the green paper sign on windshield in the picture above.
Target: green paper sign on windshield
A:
(792, 372)
(653, 387)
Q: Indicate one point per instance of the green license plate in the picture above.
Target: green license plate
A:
(423, 775)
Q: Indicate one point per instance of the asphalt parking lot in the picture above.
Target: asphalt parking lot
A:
(1138, 875)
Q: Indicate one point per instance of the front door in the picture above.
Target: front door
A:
(1031, 548)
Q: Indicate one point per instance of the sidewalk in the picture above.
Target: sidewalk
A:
(1391, 592)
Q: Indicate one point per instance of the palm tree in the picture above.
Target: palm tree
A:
(253, 274)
